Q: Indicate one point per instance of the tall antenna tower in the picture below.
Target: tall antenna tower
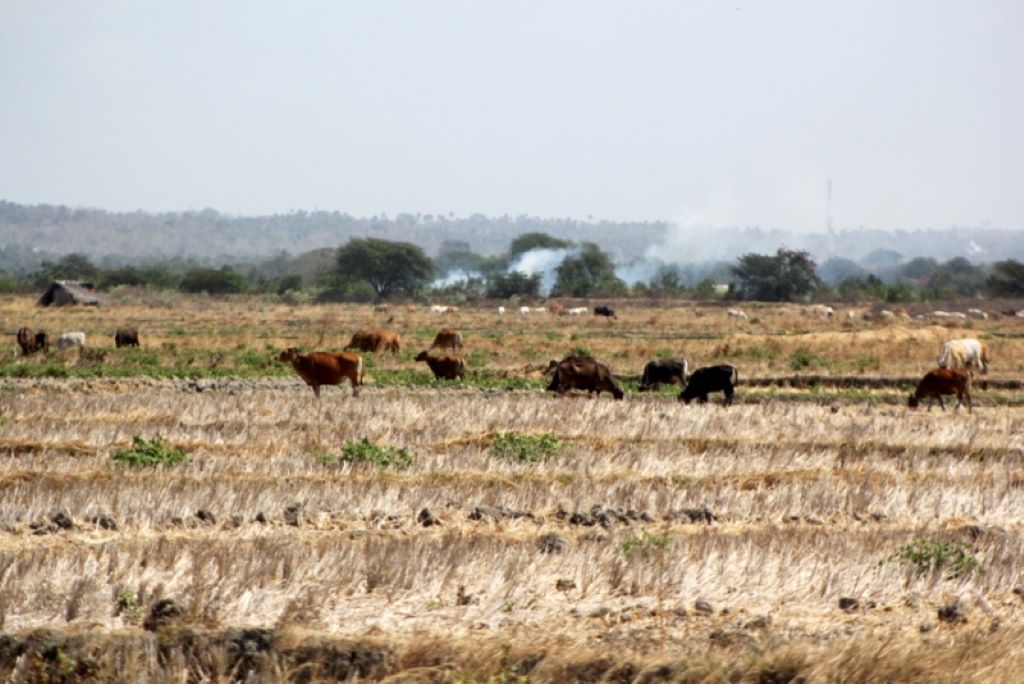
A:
(828, 207)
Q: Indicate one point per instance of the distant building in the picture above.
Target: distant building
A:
(67, 292)
(721, 288)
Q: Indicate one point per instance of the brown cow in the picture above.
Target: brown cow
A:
(444, 367)
(31, 342)
(943, 381)
(325, 368)
(447, 338)
(126, 337)
(375, 340)
(583, 373)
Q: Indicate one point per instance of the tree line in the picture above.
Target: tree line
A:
(370, 269)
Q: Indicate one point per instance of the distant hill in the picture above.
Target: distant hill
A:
(31, 233)
(210, 235)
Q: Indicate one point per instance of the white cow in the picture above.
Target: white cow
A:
(578, 311)
(977, 313)
(524, 311)
(71, 339)
(823, 310)
(539, 309)
(964, 353)
(438, 309)
(886, 314)
(736, 313)
(501, 311)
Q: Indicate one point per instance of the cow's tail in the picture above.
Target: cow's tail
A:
(735, 376)
(359, 370)
(944, 356)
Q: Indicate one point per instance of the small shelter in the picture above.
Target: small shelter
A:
(66, 292)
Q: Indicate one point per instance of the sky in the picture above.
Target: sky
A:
(700, 113)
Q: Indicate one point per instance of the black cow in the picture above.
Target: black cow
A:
(605, 311)
(31, 342)
(666, 371)
(710, 379)
(126, 337)
(583, 373)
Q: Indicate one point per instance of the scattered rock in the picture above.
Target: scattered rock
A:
(206, 517)
(427, 519)
(104, 521)
(234, 522)
(495, 514)
(692, 515)
(62, 520)
(1019, 591)
(563, 584)
(293, 514)
(261, 518)
(760, 622)
(552, 542)
(464, 599)
(926, 627)
(703, 606)
(163, 612)
(954, 613)
(358, 534)
(602, 612)
(813, 520)
(849, 604)
(879, 517)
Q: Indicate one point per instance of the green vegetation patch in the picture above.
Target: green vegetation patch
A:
(926, 555)
(151, 452)
(365, 452)
(645, 545)
(520, 448)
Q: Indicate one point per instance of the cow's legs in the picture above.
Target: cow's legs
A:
(728, 396)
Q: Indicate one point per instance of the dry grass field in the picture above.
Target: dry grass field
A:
(809, 533)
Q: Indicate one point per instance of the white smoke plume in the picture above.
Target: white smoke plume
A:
(544, 262)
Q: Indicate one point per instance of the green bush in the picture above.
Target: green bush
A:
(151, 452)
(644, 546)
(512, 446)
(804, 358)
(927, 556)
(366, 452)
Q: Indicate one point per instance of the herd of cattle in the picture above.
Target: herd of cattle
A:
(956, 362)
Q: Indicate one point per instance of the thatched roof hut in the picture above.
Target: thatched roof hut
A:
(65, 292)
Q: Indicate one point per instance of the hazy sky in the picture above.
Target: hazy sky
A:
(717, 113)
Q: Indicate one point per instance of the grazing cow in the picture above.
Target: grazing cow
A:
(524, 311)
(710, 379)
(444, 367)
(579, 311)
(605, 311)
(31, 342)
(375, 341)
(447, 338)
(736, 313)
(964, 353)
(539, 310)
(977, 313)
(71, 339)
(438, 309)
(325, 368)
(886, 314)
(556, 308)
(943, 381)
(501, 311)
(126, 337)
(583, 373)
(663, 371)
(822, 310)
